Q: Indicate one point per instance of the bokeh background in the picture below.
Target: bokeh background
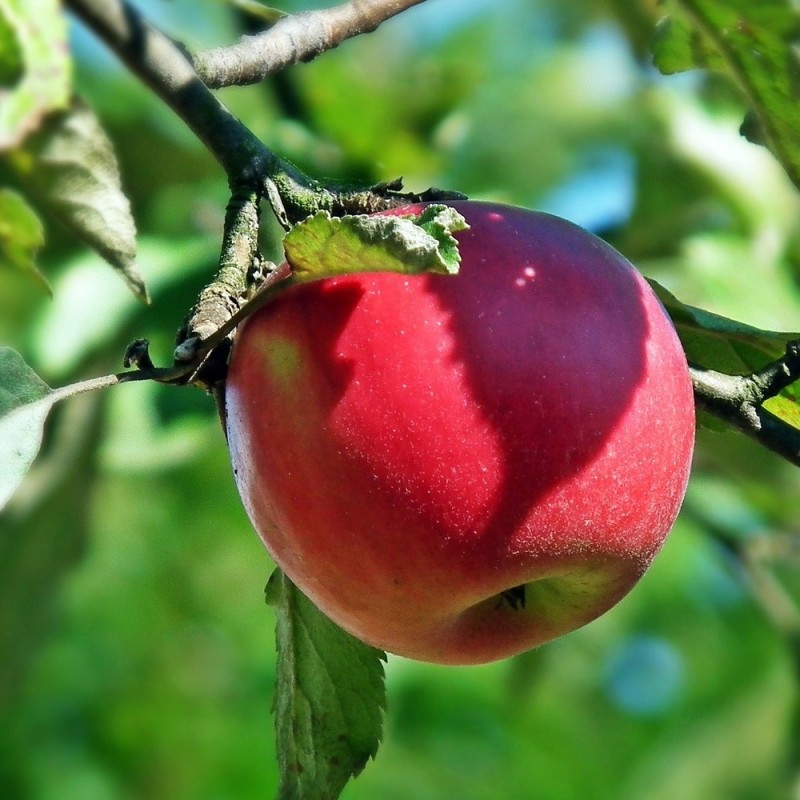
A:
(136, 651)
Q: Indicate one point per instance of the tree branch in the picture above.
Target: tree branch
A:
(239, 256)
(164, 67)
(738, 400)
(250, 165)
(253, 170)
(295, 38)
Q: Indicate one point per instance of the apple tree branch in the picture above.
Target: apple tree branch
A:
(739, 400)
(292, 39)
(253, 170)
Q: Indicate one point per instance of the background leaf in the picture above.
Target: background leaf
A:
(12, 67)
(25, 401)
(75, 323)
(758, 46)
(37, 550)
(322, 246)
(21, 236)
(329, 701)
(261, 13)
(678, 46)
(34, 58)
(70, 167)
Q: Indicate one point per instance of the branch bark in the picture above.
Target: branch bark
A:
(738, 400)
(295, 38)
(253, 170)
(162, 65)
(165, 67)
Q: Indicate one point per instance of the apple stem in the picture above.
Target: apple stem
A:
(739, 401)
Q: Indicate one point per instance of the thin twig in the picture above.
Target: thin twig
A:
(294, 38)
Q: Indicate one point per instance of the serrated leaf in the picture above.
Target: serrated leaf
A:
(25, 401)
(323, 246)
(34, 63)
(715, 342)
(757, 44)
(69, 166)
(330, 698)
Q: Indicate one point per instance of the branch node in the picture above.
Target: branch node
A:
(137, 355)
(739, 400)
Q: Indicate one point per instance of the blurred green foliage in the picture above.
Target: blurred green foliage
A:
(136, 650)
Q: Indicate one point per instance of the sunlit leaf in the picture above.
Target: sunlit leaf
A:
(25, 401)
(757, 44)
(785, 408)
(719, 343)
(34, 66)
(323, 246)
(70, 167)
(330, 698)
(21, 236)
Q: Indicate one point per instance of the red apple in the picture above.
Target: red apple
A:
(457, 469)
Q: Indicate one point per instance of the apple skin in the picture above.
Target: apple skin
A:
(414, 450)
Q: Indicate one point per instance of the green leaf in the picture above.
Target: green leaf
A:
(34, 62)
(715, 342)
(258, 10)
(69, 166)
(757, 44)
(323, 246)
(25, 401)
(43, 534)
(21, 236)
(330, 698)
(12, 67)
(719, 343)
(678, 47)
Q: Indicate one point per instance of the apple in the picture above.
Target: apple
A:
(456, 469)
